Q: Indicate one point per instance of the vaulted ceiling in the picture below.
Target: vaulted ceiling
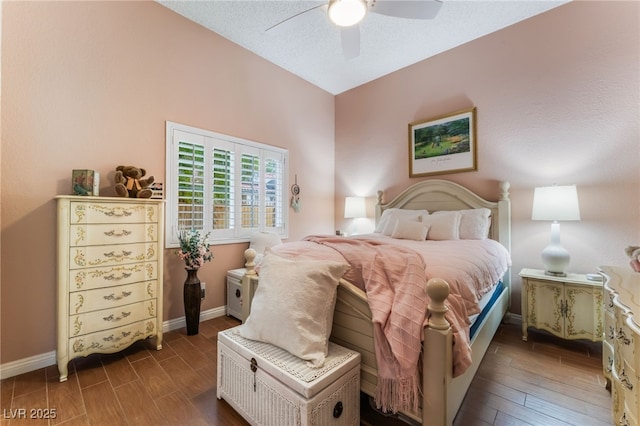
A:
(310, 46)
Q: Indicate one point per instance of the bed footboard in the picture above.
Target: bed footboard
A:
(352, 328)
(437, 358)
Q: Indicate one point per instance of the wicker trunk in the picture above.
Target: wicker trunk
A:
(268, 386)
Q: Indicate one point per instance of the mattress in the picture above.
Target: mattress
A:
(486, 303)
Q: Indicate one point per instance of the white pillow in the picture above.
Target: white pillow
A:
(391, 215)
(442, 226)
(260, 241)
(474, 223)
(410, 230)
(293, 306)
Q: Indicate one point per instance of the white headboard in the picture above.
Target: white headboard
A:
(436, 195)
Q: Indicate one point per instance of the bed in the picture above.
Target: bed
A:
(442, 393)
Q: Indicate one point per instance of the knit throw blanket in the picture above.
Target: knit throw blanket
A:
(394, 278)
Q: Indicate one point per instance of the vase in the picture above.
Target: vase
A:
(192, 299)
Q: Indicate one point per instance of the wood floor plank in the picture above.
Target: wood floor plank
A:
(65, 397)
(153, 377)
(118, 369)
(138, 407)
(189, 353)
(103, 407)
(184, 377)
(517, 411)
(23, 405)
(178, 410)
(558, 390)
(568, 416)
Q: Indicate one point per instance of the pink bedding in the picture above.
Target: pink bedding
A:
(471, 267)
(393, 272)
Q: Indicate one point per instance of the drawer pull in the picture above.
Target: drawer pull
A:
(112, 338)
(609, 364)
(112, 254)
(625, 380)
(254, 368)
(612, 333)
(238, 293)
(115, 211)
(115, 318)
(337, 409)
(114, 297)
(114, 233)
(622, 336)
(112, 277)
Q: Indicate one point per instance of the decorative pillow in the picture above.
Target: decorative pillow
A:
(260, 241)
(442, 226)
(388, 213)
(293, 305)
(474, 223)
(410, 230)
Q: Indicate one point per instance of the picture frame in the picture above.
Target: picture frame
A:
(443, 144)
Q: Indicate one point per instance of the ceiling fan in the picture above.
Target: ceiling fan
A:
(347, 14)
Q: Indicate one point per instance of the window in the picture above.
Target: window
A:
(227, 186)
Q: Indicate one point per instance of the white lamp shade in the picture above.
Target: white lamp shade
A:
(555, 203)
(355, 207)
(345, 13)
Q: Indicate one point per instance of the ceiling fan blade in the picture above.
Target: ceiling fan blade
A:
(296, 20)
(350, 37)
(412, 9)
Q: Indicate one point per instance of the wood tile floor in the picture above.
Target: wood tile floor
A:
(544, 381)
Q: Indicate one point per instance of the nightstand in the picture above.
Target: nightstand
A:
(234, 293)
(568, 307)
(239, 294)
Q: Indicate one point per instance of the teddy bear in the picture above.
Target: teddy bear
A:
(130, 183)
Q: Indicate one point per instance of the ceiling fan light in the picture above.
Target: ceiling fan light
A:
(345, 13)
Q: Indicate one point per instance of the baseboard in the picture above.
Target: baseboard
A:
(25, 365)
(513, 318)
(177, 323)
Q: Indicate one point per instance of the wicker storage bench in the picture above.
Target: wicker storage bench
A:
(270, 387)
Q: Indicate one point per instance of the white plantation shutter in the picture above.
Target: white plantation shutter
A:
(223, 189)
(275, 201)
(191, 185)
(224, 186)
(250, 185)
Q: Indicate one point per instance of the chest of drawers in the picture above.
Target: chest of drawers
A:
(109, 275)
(621, 345)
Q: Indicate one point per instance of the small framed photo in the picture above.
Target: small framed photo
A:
(85, 182)
(444, 144)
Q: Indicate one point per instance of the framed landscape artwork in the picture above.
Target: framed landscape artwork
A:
(445, 144)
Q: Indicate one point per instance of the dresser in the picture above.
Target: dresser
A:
(109, 275)
(621, 345)
(568, 307)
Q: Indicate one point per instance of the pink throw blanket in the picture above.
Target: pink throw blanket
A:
(395, 279)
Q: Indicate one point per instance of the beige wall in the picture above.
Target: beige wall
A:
(557, 100)
(90, 85)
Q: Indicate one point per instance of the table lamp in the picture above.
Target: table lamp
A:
(355, 208)
(555, 203)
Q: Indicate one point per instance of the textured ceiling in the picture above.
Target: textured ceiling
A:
(312, 50)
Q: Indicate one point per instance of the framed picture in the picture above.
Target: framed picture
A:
(445, 144)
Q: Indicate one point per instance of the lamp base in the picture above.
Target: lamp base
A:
(555, 258)
(555, 274)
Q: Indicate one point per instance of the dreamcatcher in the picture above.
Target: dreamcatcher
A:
(295, 196)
